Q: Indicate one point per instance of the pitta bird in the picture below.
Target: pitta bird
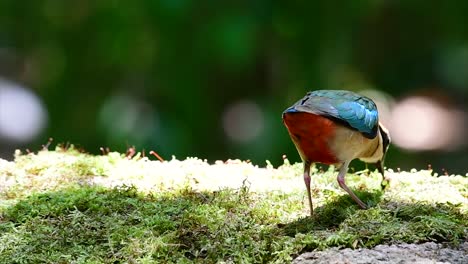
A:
(336, 127)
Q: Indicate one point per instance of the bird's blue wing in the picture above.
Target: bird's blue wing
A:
(354, 110)
(359, 117)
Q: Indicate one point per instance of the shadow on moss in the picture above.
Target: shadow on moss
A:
(339, 224)
(332, 214)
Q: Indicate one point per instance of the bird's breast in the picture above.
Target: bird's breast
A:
(312, 134)
(349, 144)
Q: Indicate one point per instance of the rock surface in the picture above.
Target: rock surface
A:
(389, 254)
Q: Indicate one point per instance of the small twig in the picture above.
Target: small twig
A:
(104, 151)
(63, 146)
(80, 149)
(364, 171)
(130, 152)
(46, 146)
(445, 172)
(152, 152)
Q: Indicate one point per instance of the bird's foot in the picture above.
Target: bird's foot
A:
(360, 203)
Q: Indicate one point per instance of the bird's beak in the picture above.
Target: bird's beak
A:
(380, 167)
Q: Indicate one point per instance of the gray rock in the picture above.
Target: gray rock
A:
(389, 254)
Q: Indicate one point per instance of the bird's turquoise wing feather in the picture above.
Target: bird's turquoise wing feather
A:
(354, 110)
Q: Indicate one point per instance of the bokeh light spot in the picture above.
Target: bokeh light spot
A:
(124, 117)
(243, 121)
(420, 123)
(22, 114)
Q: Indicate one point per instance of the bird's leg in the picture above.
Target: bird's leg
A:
(307, 183)
(380, 168)
(341, 182)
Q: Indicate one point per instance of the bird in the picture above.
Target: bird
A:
(334, 127)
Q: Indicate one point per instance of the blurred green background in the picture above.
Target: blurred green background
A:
(211, 78)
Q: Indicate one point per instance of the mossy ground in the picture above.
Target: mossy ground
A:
(64, 206)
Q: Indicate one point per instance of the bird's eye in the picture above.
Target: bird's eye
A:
(304, 100)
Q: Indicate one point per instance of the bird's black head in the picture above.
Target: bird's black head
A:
(386, 140)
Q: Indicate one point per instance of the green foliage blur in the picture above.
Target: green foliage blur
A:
(161, 74)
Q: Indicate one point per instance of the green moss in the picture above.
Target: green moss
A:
(66, 206)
